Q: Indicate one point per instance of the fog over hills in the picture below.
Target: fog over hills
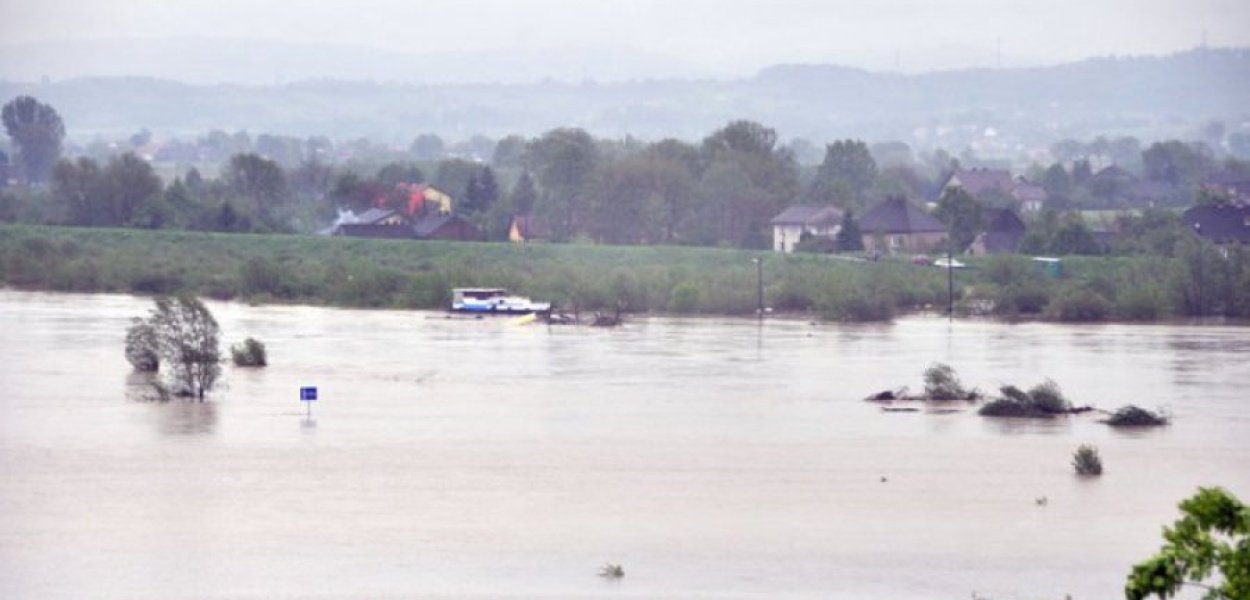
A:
(1150, 97)
(203, 60)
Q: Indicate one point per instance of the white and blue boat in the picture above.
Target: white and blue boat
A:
(494, 301)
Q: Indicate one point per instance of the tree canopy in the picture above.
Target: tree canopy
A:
(1208, 547)
(37, 131)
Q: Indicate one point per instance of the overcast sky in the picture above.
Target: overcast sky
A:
(722, 36)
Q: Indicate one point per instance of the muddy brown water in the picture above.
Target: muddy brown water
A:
(711, 458)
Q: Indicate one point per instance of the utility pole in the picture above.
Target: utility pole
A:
(950, 284)
(759, 286)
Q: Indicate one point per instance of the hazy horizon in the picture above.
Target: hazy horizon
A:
(487, 40)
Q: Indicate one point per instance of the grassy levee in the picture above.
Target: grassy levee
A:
(354, 272)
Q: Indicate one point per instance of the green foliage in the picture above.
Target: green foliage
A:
(849, 237)
(848, 169)
(1044, 400)
(1177, 162)
(1135, 416)
(251, 353)
(142, 347)
(1209, 547)
(1079, 303)
(1086, 461)
(186, 336)
(37, 131)
(684, 298)
(962, 215)
(1048, 398)
(941, 383)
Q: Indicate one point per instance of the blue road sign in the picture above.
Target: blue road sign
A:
(307, 394)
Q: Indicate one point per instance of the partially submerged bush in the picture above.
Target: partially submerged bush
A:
(941, 383)
(1005, 407)
(1048, 398)
(1086, 461)
(1136, 416)
(251, 353)
(1044, 400)
(142, 349)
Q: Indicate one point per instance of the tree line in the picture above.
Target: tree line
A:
(719, 191)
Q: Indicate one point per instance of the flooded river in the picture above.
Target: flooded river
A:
(710, 458)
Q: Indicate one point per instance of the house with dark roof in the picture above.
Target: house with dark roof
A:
(1224, 224)
(1002, 234)
(1236, 187)
(793, 223)
(896, 225)
(1032, 197)
(445, 227)
(381, 223)
(977, 181)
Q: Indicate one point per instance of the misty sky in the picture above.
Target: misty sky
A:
(722, 36)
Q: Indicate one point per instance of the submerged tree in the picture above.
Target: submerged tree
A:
(142, 349)
(186, 339)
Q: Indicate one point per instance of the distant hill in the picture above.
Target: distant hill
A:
(1145, 96)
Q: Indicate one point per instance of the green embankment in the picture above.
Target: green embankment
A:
(406, 274)
(355, 272)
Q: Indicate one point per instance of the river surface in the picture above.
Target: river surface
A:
(711, 458)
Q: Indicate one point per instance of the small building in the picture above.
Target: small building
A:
(445, 227)
(1224, 224)
(896, 225)
(1002, 235)
(382, 223)
(790, 226)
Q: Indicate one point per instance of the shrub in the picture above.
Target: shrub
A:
(1079, 305)
(1005, 407)
(251, 353)
(1135, 416)
(1047, 397)
(684, 298)
(1044, 400)
(1086, 461)
(941, 383)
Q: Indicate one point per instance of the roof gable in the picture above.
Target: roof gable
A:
(974, 181)
(1220, 224)
(811, 216)
(897, 215)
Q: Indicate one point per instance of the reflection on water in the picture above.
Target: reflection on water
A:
(185, 417)
(712, 458)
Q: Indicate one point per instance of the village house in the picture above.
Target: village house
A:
(1231, 185)
(1224, 224)
(793, 223)
(980, 181)
(1002, 235)
(445, 227)
(896, 225)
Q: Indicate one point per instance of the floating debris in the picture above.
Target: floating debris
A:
(612, 571)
